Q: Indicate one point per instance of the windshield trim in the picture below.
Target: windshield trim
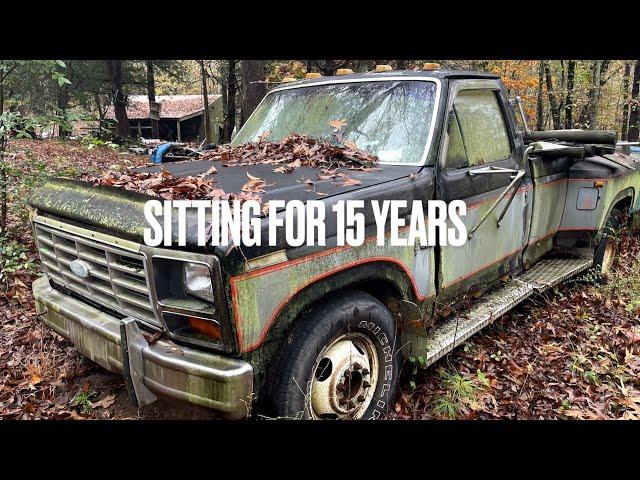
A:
(432, 127)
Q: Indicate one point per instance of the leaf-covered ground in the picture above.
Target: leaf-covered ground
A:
(41, 374)
(572, 354)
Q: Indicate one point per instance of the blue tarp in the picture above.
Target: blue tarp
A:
(158, 153)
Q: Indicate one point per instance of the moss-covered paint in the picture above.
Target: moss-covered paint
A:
(259, 296)
(613, 190)
(490, 244)
(116, 211)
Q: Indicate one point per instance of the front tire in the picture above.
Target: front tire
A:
(339, 362)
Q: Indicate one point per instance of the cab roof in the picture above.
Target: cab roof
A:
(409, 74)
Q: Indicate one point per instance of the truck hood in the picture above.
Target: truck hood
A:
(287, 186)
(120, 212)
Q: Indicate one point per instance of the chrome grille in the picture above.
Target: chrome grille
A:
(117, 278)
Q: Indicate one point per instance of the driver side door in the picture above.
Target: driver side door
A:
(480, 164)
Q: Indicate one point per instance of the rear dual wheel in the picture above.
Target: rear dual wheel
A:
(608, 247)
(339, 362)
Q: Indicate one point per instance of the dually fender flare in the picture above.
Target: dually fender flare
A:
(628, 192)
(389, 272)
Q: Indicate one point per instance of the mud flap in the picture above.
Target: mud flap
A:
(132, 343)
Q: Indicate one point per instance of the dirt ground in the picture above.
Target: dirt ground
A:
(574, 353)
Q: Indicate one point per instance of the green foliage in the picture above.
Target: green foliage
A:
(83, 400)
(482, 378)
(13, 258)
(90, 142)
(459, 390)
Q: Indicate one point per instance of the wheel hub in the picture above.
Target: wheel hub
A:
(345, 378)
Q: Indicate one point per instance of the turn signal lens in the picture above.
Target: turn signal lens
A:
(598, 183)
(206, 327)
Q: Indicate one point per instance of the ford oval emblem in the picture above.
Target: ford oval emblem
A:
(80, 268)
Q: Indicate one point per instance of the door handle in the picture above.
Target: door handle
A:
(492, 170)
(517, 178)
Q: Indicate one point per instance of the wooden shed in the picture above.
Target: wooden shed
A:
(181, 117)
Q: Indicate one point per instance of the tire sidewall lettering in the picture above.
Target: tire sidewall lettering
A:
(386, 367)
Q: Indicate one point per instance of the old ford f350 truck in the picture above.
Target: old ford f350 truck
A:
(321, 332)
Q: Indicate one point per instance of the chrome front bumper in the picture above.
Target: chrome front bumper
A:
(215, 381)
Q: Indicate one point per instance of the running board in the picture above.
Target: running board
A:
(456, 329)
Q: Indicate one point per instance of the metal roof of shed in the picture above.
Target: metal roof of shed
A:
(171, 106)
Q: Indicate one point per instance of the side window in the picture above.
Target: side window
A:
(481, 127)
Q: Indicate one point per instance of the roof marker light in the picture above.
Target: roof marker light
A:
(344, 71)
(312, 75)
(288, 79)
(383, 68)
(430, 66)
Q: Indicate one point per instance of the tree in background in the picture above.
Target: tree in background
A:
(119, 99)
(553, 102)
(568, 103)
(540, 98)
(230, 104)
(205, 101)
(625, 101)
(254, 86)
(634, 107)
(12, 123)
(151, 93)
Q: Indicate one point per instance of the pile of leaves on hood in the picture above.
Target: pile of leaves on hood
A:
(296, 150)
(161, 184)
(286, 155)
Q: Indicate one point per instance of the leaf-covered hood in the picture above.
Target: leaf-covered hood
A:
(303, 183)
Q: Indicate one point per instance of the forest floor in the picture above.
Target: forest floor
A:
(573, 353)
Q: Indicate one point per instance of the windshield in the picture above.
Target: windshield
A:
(389, 119)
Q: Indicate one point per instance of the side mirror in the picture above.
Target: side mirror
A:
(517, 102)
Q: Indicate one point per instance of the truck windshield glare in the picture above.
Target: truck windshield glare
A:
(389, 119)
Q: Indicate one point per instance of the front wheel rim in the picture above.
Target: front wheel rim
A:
(344, 378)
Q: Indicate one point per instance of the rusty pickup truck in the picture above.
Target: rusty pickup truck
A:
(323, 332)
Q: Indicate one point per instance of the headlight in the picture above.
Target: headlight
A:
(186, 299)
(197, 281)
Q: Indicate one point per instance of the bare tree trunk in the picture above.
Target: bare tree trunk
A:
(151, 93)
(625, 101)
(3, 172)
(553, 103)
(594, 93)
(114, 67)
(230, 114)
(634, 108)
(63, 104)
(3, 185)
(571, 73)
(540, 103)
(205, 99)
(253, 76)
(328, 67)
